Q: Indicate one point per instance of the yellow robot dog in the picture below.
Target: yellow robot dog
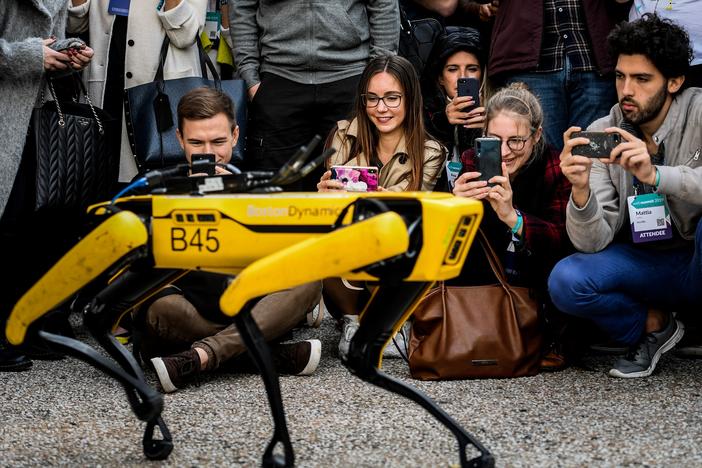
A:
(142, 243)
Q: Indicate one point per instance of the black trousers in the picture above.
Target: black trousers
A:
(285, 115)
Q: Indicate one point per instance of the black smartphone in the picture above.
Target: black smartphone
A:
(488, 157)
(469, 87)
(203, 163)
(601, 144)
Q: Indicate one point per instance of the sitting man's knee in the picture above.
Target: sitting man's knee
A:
(567, 284)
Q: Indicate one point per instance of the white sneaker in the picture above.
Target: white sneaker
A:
(315, 316)
(348, 329)
(398, 346)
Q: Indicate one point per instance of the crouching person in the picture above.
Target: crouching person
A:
(183, 330)
(635, 214)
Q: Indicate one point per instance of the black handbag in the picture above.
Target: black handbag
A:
(151, 109)
(71, 156)
(417, 39)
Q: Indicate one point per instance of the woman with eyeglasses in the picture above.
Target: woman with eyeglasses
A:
(525, 209)
(387, 131)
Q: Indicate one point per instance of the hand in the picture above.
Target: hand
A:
(488, 11)
(576, 168)
(80, 58)
(253, 90)
(476, 118)
(219, 170)
(455, 114)
(54, 60)
(500, 198)
(633, 156)
(327, 184)
(466, 186)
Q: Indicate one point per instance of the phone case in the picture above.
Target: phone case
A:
(469, 87)
(601, 144)
(357, 178)
(488, 157)
(208, 169)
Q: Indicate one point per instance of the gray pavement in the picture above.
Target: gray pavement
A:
(67, 413)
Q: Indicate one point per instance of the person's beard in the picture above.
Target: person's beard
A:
(649, 111)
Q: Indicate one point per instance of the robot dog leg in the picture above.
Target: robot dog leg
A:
(113, 245)
(322, 257)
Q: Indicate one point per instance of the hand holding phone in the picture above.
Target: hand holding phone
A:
(469, 87)
(600, 146)
(488, 158)
(202, 163)
(356, 178)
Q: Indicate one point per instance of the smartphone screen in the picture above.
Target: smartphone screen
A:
(488, 157)
(600, 146)
(469, 87)
(356, 178)
(203, 163)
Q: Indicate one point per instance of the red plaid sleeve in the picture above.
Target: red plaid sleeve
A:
(547, 232)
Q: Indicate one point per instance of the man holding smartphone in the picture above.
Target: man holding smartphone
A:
(185, 334)
(635, 213)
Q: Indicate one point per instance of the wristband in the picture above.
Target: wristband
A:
(658, 178)
(518, 226)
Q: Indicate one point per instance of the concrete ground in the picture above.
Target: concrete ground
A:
(67, 413)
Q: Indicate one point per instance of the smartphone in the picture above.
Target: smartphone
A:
(470, 87)
(601, 144)
(488, 158)
(203, 163)
(356, 178)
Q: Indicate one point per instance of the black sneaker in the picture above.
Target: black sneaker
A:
(11, 360)
(300, 358)
(641, 359)
(175, 371)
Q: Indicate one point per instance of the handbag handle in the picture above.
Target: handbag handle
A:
(493, 259)
(81, 89)
(205, 63)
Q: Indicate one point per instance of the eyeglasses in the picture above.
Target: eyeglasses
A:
(391, 100)
(515, 143)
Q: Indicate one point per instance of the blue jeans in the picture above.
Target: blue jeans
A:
(569, 98)
(615, 287)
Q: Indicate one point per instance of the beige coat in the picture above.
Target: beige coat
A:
(146, 28)
(393, 176)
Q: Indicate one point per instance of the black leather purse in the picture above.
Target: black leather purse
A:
(72, 149)
(151, 109)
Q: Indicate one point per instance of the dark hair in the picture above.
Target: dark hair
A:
(413, 125)
(455, 39)
(662, 41)
(205, 103)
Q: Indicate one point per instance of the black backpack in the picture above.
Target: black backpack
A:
(417, 39)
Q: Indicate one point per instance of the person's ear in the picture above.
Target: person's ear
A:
(674, 84)
(180, 138)
(235, 136)
(538, 134)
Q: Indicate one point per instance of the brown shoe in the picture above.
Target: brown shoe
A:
(553, 361)
(300, 358)
(175, 371)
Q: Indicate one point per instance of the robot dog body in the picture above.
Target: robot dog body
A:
(401, 241)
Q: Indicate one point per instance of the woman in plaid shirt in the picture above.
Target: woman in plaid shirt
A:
(525, 209)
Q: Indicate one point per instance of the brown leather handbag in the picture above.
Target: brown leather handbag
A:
(464, 332)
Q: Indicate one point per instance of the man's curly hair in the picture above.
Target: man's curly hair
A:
(662, 41)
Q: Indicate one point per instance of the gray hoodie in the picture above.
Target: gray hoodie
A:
(311, 41)
(593, 227)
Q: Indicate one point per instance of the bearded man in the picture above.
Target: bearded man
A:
(634, 215)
